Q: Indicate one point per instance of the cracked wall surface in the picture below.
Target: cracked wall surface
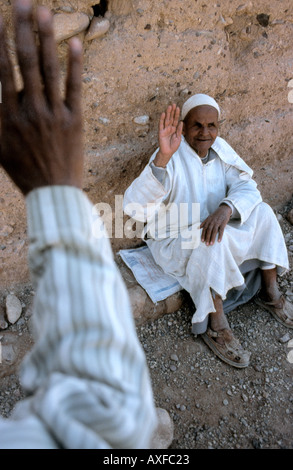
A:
(139, 56)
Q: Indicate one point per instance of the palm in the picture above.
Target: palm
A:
(170, 131)
(168, 139)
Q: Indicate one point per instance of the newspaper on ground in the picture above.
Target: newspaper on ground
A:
(158, 285)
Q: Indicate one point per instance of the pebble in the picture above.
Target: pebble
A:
(67, 25)
(173, 368)
(141, 120)
(174, 357)
(104, 120)
(285, 338)
(13, 308)
(290, 356)
(163, 436)
(225, 402)
(99, 27)
(6, 230)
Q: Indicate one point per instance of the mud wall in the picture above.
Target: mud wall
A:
(141, 55)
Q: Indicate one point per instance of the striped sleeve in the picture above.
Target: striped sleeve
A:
(86, 377)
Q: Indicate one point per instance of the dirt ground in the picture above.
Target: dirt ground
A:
(212, 405)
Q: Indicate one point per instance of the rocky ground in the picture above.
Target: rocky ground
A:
(212, 405)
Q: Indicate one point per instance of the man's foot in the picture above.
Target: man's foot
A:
(224, 344)
(280, 308)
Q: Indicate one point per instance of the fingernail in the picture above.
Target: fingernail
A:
(44, 14)
(75, 45)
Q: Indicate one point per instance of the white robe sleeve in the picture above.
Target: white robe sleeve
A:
(86, 378)
(242, 192)
(146, 193)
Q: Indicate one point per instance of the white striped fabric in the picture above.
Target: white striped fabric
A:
(87, 381)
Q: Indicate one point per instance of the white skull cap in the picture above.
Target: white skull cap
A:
(199, 99)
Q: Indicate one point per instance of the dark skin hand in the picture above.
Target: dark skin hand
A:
(215, 225)
(41, 142)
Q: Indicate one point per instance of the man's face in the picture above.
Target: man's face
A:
(201, 128)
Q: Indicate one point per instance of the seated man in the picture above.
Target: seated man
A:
(240, 247)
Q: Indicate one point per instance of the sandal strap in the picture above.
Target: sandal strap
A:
(231, 351)
(273, 303)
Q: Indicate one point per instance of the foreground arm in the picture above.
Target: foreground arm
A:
(86, 377)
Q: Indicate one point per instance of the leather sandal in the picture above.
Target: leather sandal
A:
(231, 351)
(283, 314)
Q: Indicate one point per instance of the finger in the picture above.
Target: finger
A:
(221, 230)
(173, 115)
(214, 234)
(221, 233)
(204, 232)
(8, 96)
(162, 122)
(176, 114)
(27, 50)
(168, 116)
(73, 84)
(48, 57)
(208, 236)
(210, 231)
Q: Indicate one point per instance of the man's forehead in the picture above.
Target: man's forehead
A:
(203, 113)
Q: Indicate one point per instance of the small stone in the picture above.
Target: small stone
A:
(225, 402)
(173, 368)
(284, 338)
(6, 230)
(104, 120)
(290, 356)
(279, 217)
(244, 8)
(141, 120)
(8, 353)
(174, 357)
(244, 397)
(13, 308)
(290, 344)
(163, 435)
(67, 25)
(98, 27)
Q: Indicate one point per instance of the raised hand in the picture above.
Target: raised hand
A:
(170, 131)
(40, 138)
